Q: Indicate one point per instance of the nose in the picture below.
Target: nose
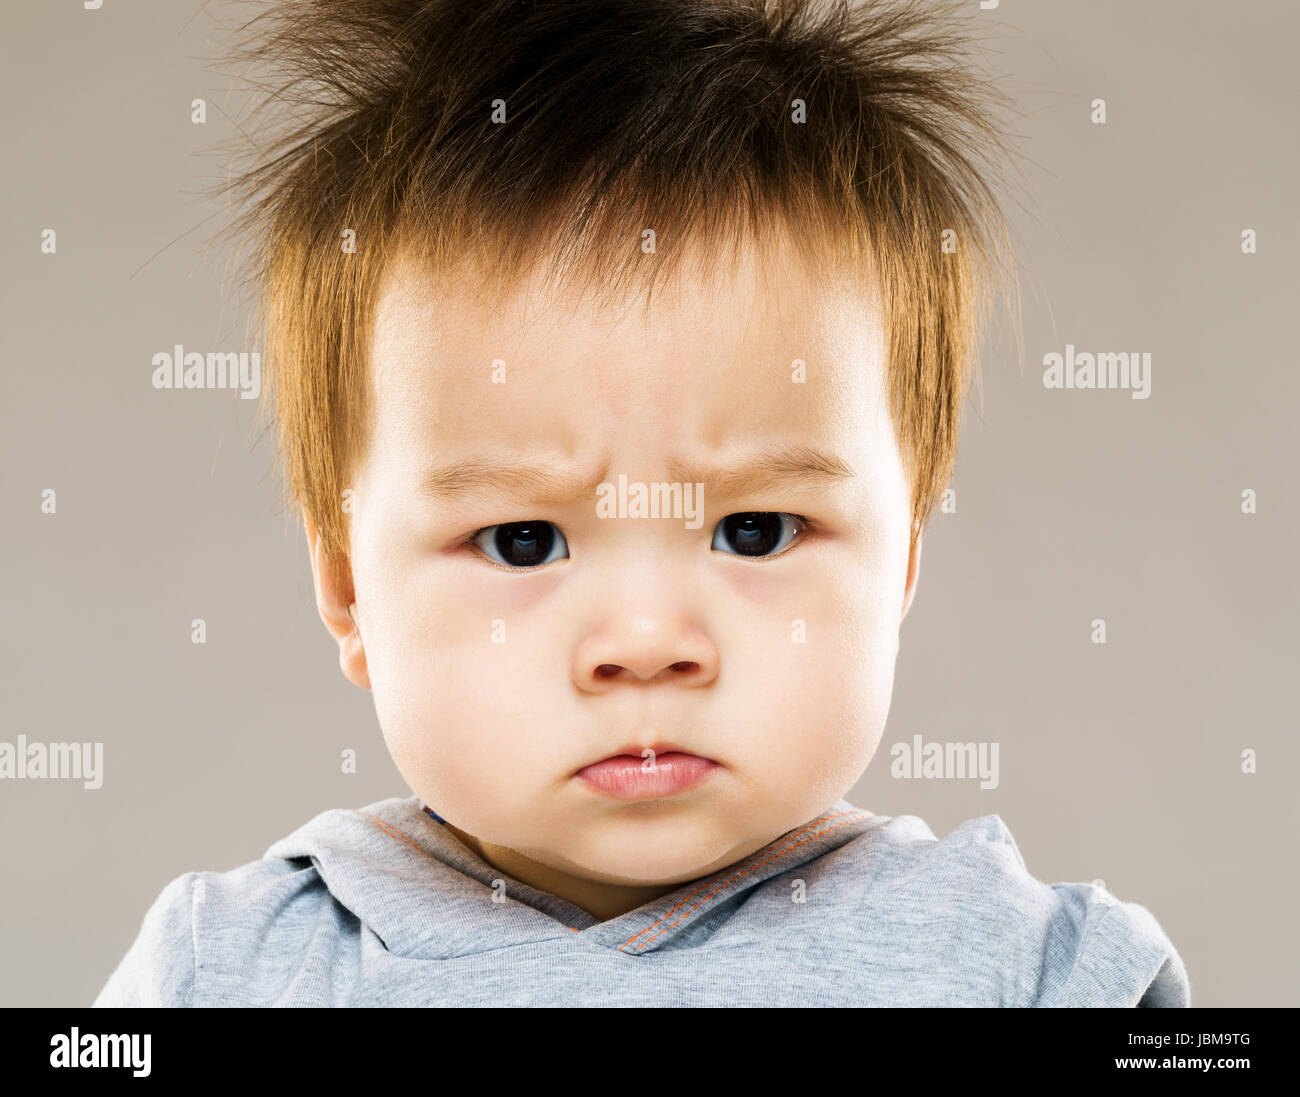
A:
(640, 649)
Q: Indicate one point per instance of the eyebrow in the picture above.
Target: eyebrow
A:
(788, 467)
(508, 479)
(794, 466)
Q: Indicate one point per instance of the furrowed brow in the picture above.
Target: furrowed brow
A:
(476, 477)
(792, 467)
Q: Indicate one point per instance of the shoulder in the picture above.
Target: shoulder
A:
(1110, 953)
(204, 925)
(210, 936)
(158, 969)
(1061, 944)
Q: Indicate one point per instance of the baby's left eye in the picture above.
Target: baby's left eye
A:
(758, 533)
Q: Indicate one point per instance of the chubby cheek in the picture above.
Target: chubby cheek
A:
(461, 740)
(807, 707)
(461, 713)
(824, 709)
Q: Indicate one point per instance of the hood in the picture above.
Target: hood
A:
(427, 895)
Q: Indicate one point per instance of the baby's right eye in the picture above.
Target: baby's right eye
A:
(523, 545)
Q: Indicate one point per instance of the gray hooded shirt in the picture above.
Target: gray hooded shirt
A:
(386, 907)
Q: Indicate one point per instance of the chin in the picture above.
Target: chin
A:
(665, 858)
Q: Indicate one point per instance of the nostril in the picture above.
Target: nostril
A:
(612, 670)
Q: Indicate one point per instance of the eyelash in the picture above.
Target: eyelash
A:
(810, 527)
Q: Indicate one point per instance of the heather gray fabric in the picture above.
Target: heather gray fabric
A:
(385, 906)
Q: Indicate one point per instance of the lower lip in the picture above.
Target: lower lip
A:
(625, 777)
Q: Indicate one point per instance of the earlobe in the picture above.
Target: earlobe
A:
(335, 603)
(913, 571)
(352, 659)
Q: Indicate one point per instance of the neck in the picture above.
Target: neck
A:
(601, 900)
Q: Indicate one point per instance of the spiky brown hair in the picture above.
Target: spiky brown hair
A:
(619, 114)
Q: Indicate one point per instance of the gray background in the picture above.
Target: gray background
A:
(1119, 762)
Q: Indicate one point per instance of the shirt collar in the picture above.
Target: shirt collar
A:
(410, 880)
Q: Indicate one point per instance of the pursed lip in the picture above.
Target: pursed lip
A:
(636, 750)
(634, 774)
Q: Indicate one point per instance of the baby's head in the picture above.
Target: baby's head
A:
(541, 261)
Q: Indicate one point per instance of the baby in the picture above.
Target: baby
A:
(617, 349)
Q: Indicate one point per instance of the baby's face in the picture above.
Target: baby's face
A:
(504, 664)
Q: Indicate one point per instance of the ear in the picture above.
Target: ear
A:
(913, 570)
(335, 602)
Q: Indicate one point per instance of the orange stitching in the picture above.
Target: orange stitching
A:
(395, 833)
(391, 831)
(744, 868)
(715, 891)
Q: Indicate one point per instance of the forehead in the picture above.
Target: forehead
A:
(765, 352)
